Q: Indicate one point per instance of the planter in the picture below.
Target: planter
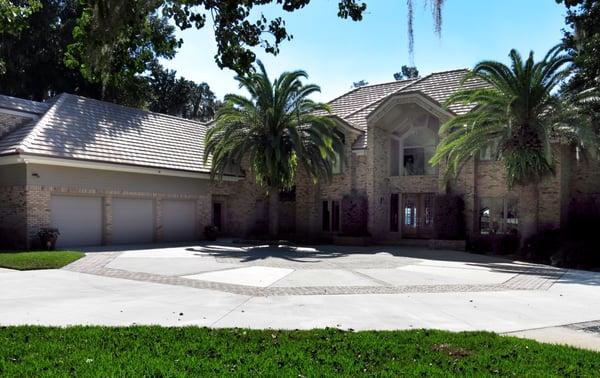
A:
(48, 237)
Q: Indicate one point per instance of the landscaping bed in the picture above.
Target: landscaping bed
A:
(38, 260)
(157, 351)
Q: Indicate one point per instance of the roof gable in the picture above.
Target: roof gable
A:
(355, 106)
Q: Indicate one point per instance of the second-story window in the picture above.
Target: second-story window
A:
(336, 169)
(410, 154)
(338, 163)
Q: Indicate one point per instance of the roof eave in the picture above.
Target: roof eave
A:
(27, 158)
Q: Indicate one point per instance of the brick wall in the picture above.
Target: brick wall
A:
(13, 217)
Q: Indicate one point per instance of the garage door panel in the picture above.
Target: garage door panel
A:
(78, 219)
(132, 220)
(179, 220)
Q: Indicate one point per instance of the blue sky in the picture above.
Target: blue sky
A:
(337, 52)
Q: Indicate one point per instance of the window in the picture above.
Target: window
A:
(338, 163)
(325, 216)
(394, 202)
(498, 215)
(410, 154)
(335, 216)
(395, 157)
(331, 216)
(410, 213)
(511, 218)
(490, 152)
(484, 221)
(336, 169)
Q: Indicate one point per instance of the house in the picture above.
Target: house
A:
(107, 174)
(390, 132)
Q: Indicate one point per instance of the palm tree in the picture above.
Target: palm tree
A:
(517, 110)
(277, 130)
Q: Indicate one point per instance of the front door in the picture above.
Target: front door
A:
(417, 215)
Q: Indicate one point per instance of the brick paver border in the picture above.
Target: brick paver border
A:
(527, 279)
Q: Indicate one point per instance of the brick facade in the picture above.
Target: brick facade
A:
(13, 216)
(368, 172)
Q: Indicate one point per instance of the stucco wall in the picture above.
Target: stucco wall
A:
(43, 181)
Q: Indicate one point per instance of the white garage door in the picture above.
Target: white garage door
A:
(133, 221)
(78, 219)
(179, 220)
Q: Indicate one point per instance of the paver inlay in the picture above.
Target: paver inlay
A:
(289, 270)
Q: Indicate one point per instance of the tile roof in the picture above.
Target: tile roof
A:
(22, 105)
(82, 128)
(354, 106)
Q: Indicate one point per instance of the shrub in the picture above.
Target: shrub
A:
(543, 244)
(577, 254)
(448, 217)
(48, 237)
(211, 232)
(498, 244)
(355, 215)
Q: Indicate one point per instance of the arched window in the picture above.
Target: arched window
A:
(484, 220)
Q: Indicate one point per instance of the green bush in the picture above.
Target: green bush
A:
(448, 217)
(543, 244)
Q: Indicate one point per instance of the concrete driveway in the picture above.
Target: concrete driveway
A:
(380, 287)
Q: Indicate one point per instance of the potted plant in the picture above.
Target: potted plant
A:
(48, 237)
(211, 232)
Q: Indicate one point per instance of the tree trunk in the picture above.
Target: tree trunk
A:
(530, 203)
(273, 213)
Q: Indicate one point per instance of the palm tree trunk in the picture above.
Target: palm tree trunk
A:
(530, 203)
(273, 212)
(537, 208)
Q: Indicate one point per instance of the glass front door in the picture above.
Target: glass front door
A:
(417, 215)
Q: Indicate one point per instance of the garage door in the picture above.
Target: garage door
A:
(78, 219)
(133, 221)
(179, 220)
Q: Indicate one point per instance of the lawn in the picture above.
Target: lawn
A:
(38, 260)
(156, 351)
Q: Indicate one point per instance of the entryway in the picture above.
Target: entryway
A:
(417, 215)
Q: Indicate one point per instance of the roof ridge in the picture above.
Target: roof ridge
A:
(24, 144)
(390, 94)
(389, 82)
(21, 99)
(23, 104)
(135, 109)
(368, 86)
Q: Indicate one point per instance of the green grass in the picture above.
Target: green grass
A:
(38, 260)
(156, 351)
